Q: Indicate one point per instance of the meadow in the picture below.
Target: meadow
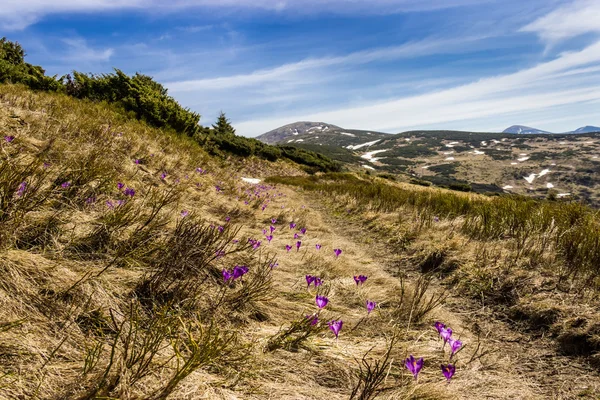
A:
(135, 264)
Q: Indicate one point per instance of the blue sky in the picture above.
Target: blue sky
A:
(387, 65)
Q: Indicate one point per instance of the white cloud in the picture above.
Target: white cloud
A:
(81, 52)
(571, 20)
(293, 72)
(18, 14)
(537, 88)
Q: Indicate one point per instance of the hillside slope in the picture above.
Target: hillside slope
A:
(135, 265)
(537, 165)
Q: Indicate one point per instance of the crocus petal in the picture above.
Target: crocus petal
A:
(321, 301)
(370, 306)
(336, 326)
(446, 333)
(448, 371)
(309, 279)
(455, 345)
(226, 275)
(413, 365)
(439, 326)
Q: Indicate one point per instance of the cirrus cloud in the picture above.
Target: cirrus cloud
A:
(19, 14)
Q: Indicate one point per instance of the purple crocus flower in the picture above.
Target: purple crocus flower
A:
(199, 170)
(309, 279)
(436, 219)
(336, 327)
(318, 246)
(303, 230)
(321, 301)
(269, 238)
(9, 139)
(298, 244)
(221, 229)
(448, 371)
(313, 318)
(138, 161)
(288, 247)
(226, 275)
(337, 252)
(46, 165)
(446, 334)
(292, 225)
(273, 265)
(439, 326)
(455, 345)
(318, 281)
(227, 219)
(296, 236)
(220, 253)
(272, 228)
(129, 192)
(264, 207)
(65, 185)
(239, 271)
(163, 175)
(273, 221)
(185, 213)
(90, 200)
(370, 306)
(360, 279)
(256, 245)
(120, 185)
(264, 231)
(22, 188)
(413, 365)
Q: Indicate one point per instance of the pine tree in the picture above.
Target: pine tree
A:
(222, 126)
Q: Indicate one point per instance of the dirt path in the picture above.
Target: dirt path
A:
(517, 365)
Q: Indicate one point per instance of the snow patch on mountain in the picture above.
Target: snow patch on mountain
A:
(359, 146)
(369, 156)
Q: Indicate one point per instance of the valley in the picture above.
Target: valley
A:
(536, 165)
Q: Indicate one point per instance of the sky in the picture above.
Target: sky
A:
(382, 65)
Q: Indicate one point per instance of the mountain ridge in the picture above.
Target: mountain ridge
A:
(285, 132)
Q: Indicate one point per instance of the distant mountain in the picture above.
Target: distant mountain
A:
(521, 160)
(522, 129)
(319, 134)
(587, 129)
(280, 134)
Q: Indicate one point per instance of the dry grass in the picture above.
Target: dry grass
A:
(75, 324)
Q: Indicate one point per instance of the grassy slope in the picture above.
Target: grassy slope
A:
(51, 319)
(572, 160)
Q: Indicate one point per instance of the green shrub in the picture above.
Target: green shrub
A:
(140, 97)
(140, 94)
(419, 182)
(14, 69)
(461, 187)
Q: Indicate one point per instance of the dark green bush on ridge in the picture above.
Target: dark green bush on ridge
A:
(14, 69)
(140, 94)
(148, 100)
